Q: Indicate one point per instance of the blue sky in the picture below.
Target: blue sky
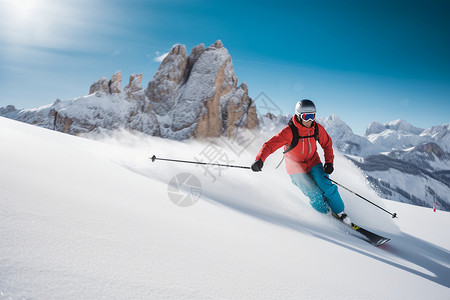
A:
(363, 60)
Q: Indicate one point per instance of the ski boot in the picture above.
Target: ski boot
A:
(344, 218)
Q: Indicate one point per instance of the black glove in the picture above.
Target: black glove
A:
(328, 168)
(257, 166)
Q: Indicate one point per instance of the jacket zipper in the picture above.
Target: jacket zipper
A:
(310, 148)
(303, 150)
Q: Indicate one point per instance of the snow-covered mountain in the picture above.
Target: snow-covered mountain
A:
(345, 140)
(397, 125)
(189, 96)
(402, 162)
(440, 135)
(85, 219)
(398, 134)
(420, 175)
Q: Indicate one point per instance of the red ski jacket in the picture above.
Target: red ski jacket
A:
(304, 156)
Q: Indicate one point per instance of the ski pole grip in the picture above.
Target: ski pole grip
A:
(153, 158)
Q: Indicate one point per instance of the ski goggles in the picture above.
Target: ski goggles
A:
(308, 116)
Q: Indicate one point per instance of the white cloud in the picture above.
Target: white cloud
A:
(160, 58)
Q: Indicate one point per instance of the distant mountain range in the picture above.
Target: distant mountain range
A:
(197, 96)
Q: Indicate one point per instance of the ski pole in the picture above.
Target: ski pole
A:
(153, 158)
(394, 215)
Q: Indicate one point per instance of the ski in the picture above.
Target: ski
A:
(372, 238)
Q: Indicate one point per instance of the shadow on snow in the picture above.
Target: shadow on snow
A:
(402, 246)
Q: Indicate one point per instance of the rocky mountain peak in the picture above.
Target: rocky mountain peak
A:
(430, 148)
(199, 93)
(112, 86)
(115, 83)
(7, 110)
(218, 44)
(135, 83)
(100, 85)
(188, 96)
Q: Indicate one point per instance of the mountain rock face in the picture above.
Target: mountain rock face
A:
(199, 93)
(193, 96)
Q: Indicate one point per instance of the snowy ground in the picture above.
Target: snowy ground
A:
(83, 219)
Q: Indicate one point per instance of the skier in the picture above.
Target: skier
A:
(302, 161)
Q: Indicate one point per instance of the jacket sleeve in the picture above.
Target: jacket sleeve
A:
(284, 137)
(326, 143)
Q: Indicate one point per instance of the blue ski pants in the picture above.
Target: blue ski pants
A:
(323, 194)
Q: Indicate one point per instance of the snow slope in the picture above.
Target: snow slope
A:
(84, 219)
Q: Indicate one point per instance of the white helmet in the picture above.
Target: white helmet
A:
(304, 106)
